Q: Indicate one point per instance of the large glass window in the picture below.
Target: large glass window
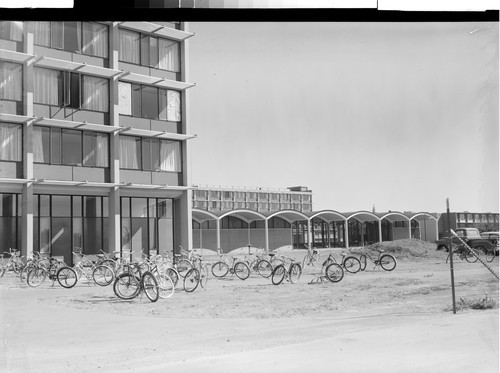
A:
(11, 79)
(58, 88)
(149, 102)
(150, 154)
(11, 137)
(9, 223)
(147, 50)
(11, 30)
(89, 38)
(70, 147)
(147, 226)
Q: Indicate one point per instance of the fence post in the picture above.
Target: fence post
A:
(450, 248)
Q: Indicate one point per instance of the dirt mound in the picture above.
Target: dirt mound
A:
(406, 248)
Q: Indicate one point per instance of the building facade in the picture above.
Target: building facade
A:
(94, 137)
(483, 221)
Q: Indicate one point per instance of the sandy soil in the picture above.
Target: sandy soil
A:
(372, 321)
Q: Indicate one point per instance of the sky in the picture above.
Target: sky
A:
(396, 116)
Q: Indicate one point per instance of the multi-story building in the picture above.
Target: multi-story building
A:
(93, 137)
(216, 199)
(483, 221)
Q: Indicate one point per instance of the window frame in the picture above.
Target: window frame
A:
(60, 150)
(142, 36)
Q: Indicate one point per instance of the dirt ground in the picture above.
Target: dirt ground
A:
(372, 321)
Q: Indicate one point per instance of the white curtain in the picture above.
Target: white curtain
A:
(46, 88)
(12, 30)
(168, 51)
(130, 152)
(38, 154)
(42, 33)
(95, 94)
(95, 39)
(170, 156)
(162, 93)
(11, 79)
(125, 98)
(129, 46)
(102, 152)
(174, 106)
(56, 35)
(11, 136)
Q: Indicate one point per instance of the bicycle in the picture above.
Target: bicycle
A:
(350, 263)
(292, 274)
(463, 253)
(102, 275)
(260, 265)
(198, 275)
(237, 267)
(30, 264)
(133, 282)
(331, 271)
(47, 267)
(166, 285)
(14, 262)
(311, 257)
(386, 261)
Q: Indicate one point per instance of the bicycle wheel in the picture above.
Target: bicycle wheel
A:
(220, 269)
(183, 266)
(150, 286)
(67, 277)
(36, 276)
(103, 275)
(278, 274)
(191, 280)
(352, 264)
(204, 276)
(334, 272)
(265, 268)
(470, 257)
(275, 262)
(111, 264)
(490, 255)
(294, 273)
(173, 274)
(362, 261)
(23, 274)
(387, 262)
(165, 285)
(241, 270)
(126, 286)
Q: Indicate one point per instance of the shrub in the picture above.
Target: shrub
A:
(476, 304)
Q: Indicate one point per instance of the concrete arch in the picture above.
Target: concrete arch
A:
(363, 215)
(394, 213)
(203, 215)
(424, 214)
(328, 216)
(289, 215)
(245, 215)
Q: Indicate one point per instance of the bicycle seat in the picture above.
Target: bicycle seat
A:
(272, 254)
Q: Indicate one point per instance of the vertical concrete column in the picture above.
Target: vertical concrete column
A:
(380, 230)
(266, 227)
(309, 233)
(409, 228)
(217, 223)
(27, 191)
(346, 233)
(186, 198)
(114, 145)
(363, 230)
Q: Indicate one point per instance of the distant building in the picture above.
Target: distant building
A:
(483, 221)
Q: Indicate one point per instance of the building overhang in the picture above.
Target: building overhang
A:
(131, 77)
(54, 63)
(158, 30)
(12, 118)
(157, 134)
(17, 57)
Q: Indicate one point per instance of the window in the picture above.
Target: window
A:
(11, 81)
(150, 154)
(147, 50)
(11, 137)
(149, 102)
(11, 30)
(70, 147)
(58, 88)
(88, 38)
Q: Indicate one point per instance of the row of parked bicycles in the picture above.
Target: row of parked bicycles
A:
(159, 276)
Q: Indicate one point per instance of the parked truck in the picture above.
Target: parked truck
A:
(473, 238)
